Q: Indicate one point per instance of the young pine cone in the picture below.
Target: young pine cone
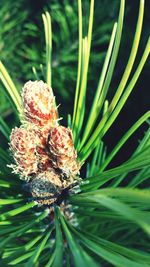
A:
(46, 187)
(23, 149)
(39, 104)
(62, 151)
(42, 157)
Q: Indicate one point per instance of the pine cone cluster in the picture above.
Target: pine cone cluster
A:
(43, 151)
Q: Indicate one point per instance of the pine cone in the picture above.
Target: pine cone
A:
(22, 146)
(42, 156)
(60, 142)
(39, 104)
(69, 166)
(46, 187)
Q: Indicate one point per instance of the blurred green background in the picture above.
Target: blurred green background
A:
(22, 46)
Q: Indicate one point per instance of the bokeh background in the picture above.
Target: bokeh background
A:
(22, 46)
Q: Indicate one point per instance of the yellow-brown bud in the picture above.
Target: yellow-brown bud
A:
(39, 104)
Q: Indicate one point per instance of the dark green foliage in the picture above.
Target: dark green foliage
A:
(22, 42)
